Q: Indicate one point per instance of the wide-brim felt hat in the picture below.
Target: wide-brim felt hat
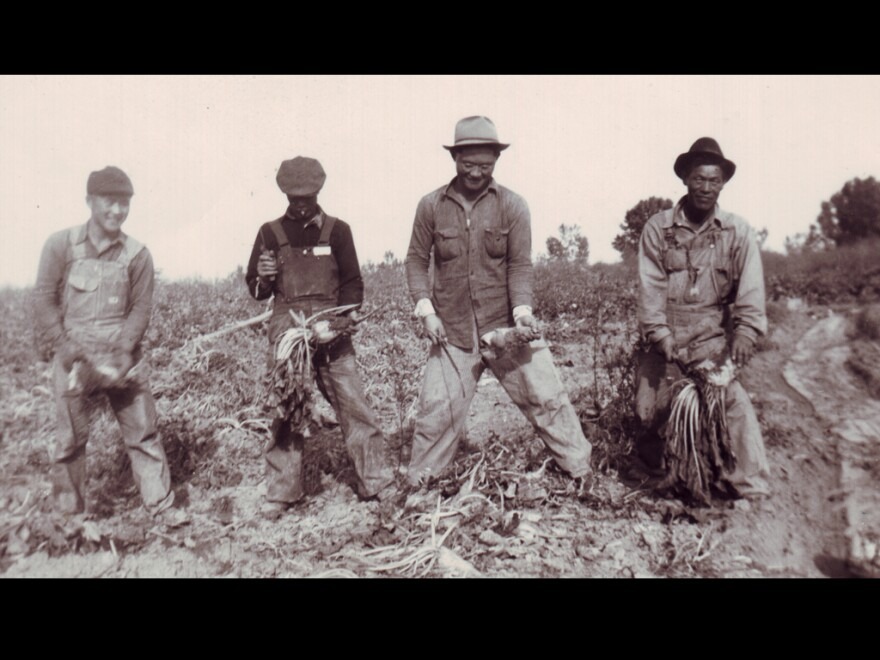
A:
(476, 131)
(301, 177)
(707, 150)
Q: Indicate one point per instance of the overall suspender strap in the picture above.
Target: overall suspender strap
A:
(130, 251)
(280, 236)
(326, 229)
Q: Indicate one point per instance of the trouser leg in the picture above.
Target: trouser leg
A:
(68, 472)
(652, 400)
(341, 385)
(443, 404)
(284, 464)
(752, 469)
(135, 411)
(528, 375)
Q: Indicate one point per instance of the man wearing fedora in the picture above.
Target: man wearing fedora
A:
(480, 235)
(701, 296)
(92, 303)
(306, 259)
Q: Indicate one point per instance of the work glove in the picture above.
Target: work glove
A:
(434, 327)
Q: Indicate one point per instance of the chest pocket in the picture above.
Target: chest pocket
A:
(96, 290)
(496, 242)
(675, 259)
(447, 243)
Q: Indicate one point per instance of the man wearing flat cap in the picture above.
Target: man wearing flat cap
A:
(701, 297)
(92, 304)
(307, 260)
(479, 233)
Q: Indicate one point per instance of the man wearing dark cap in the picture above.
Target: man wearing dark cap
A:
(701, 298)
(92, 304)
(480, 235)
(307, 260)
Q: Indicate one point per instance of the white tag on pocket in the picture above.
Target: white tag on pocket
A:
(321, 250)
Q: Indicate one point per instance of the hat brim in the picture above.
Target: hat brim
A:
(477, 143)
(683, 162)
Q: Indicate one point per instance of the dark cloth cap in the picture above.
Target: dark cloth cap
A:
(109, 181)
(705, 149)
(301, 177)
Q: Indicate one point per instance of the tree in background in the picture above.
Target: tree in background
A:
(853, 213)
(627, 243)
(570, 246)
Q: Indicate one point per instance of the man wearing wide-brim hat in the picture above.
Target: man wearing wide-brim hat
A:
(92, 305)
(479, 233)
(701, 298)
(306, 259)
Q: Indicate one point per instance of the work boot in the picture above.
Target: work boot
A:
(272, 511)
(172, 518)
(385, 492)
(583, 485)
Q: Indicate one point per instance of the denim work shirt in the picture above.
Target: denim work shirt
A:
(48, 294)
(736, 271)
(482, 262)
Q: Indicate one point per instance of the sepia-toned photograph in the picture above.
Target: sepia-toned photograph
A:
(440, 326)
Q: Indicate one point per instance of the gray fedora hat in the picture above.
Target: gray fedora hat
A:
(707, 150)
(476, 131)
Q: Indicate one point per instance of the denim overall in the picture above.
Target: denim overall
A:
(95, 304)
(308, 282)
(701, 286)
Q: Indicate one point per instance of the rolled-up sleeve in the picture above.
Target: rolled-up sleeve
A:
(142, 278)
(519, 253)
(418, 256)
(749, 309)
(46, 296)
(653, 283)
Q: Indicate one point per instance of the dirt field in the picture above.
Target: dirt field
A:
(504, 512)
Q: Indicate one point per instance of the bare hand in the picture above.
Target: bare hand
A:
(343, 325)
(435, 329)
(529, 322)
(114, 368)
(267, 265)
(124, 362)
(667, 348)
(743, 349)
(69, 352)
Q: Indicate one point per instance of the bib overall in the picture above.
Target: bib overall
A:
(308, 282)
(95, 303)
(701, 286)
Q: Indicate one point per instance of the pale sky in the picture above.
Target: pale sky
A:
(202, 152)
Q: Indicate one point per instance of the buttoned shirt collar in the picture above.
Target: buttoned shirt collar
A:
(83, 236)
(317, 219)
(679, 219)
(452, 193)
